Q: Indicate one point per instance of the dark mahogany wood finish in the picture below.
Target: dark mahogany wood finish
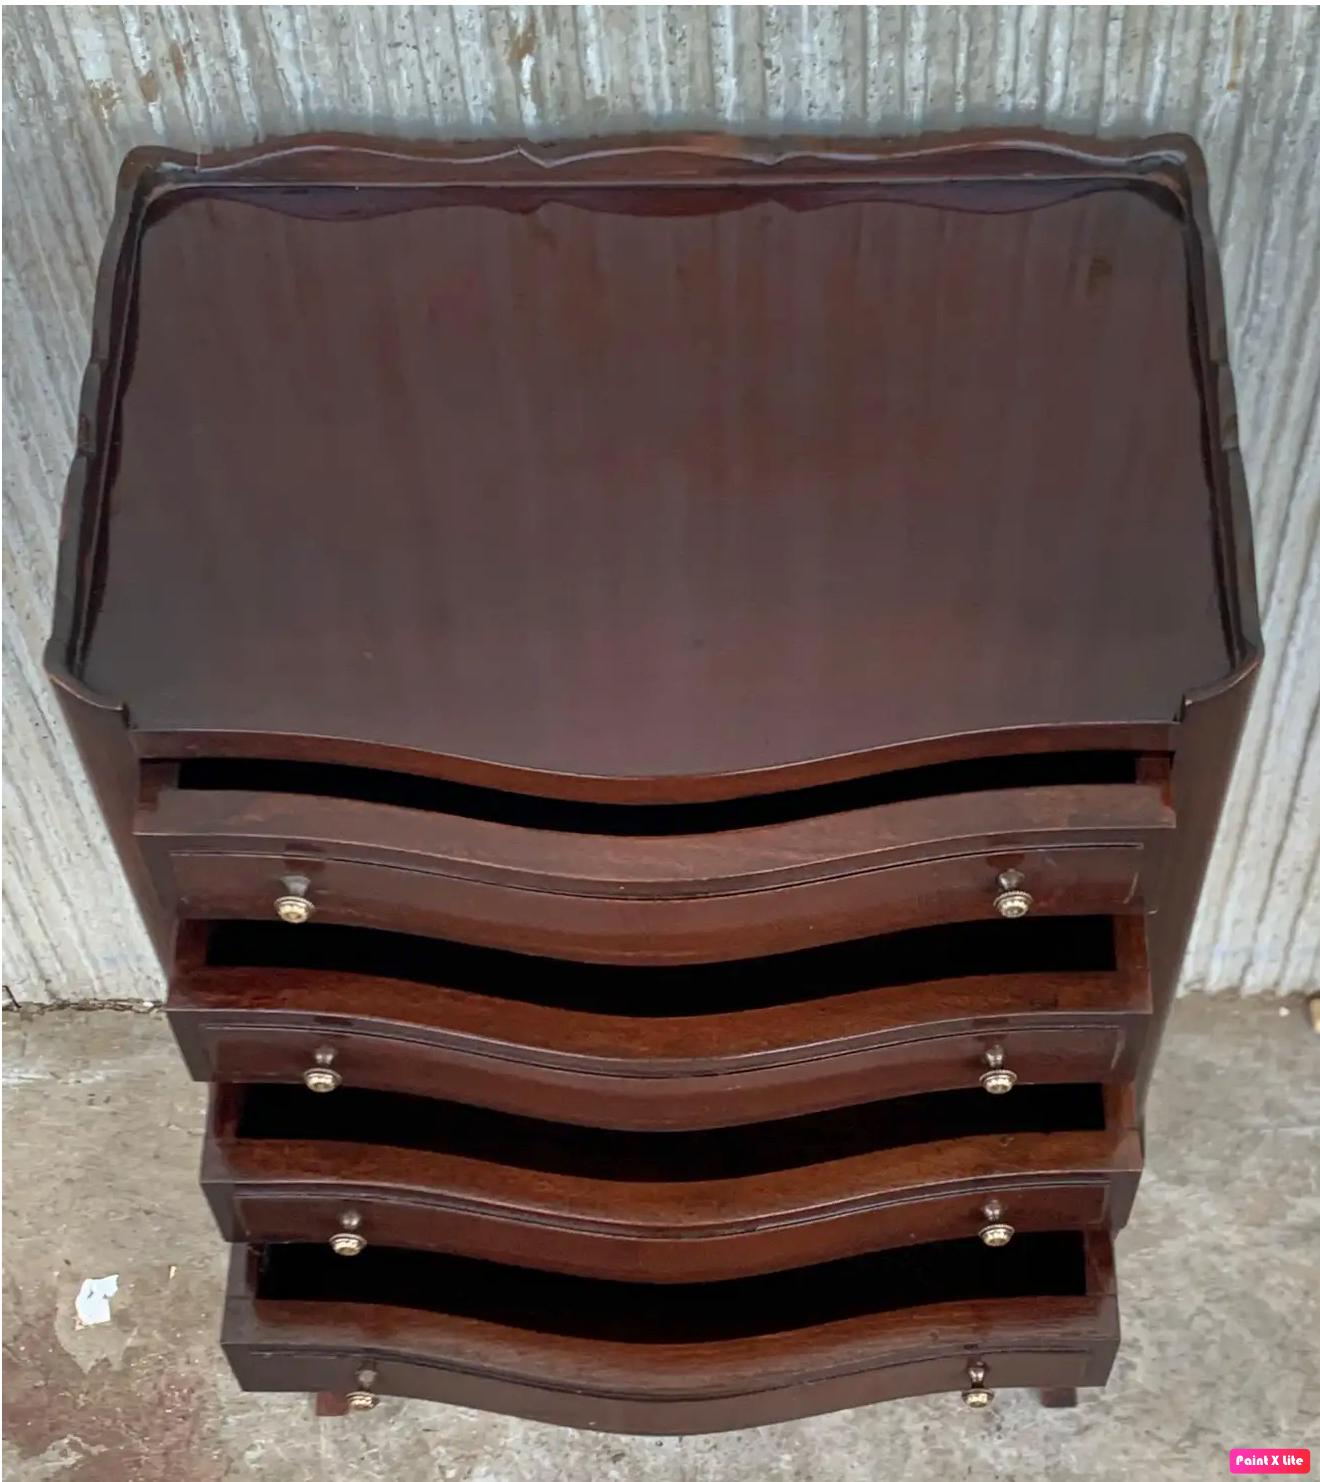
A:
(687, 1207)
(648, 605)
(678, 1359)
(781, 1044)
(708, 928)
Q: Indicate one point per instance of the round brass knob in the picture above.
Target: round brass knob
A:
(997, 1232)
(294, 907)
(996, 1235)
(347, 1241)
(1012, 901)
(996, 1078)
(320, 1077)
(362, 1397)
(977, 1397)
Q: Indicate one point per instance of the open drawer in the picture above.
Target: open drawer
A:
(685, 883)
(368, 1168)
(616, 1356)
(1054, 999)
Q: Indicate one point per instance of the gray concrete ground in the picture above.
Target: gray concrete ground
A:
(1219, 1279)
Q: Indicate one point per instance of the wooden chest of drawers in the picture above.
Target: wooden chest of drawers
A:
(665, 703)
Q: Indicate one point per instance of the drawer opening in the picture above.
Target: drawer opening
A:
(1039, 944)
(266, 1111)
(1034, 1265)
(404, 790)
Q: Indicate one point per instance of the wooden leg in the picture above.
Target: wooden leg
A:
(1058, 1399)
(328, 1404)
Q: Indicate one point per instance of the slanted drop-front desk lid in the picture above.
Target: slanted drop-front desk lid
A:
(650, 469)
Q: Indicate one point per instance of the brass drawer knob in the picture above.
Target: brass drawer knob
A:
(294, 907)
(996, 1078)
(977, 1396)
(320, 1077)
(362, 1398)
(1012, 901)
(996, 1232)
(347, 1241)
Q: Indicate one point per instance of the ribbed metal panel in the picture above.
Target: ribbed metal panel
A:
(83, 84)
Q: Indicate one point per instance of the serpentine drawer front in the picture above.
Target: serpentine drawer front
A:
(406, 1171)
(620, 1356)
(1054, 1000)
(670, 818)
(708, 928)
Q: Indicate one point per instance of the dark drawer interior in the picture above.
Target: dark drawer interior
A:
(1052, 1264)
(386, 1119)
(430, 794)
(1036, 945)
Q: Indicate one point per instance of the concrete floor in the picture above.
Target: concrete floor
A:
(1219, 1280)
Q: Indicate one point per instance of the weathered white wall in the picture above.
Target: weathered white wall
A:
(83, 84)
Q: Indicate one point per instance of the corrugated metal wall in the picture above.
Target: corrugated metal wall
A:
(83, 84)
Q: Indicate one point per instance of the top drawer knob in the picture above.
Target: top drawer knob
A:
(997, 1231)
(997, 1078)
(1012, 901)
(294, 907)
(321, 1077)
(346, 1241)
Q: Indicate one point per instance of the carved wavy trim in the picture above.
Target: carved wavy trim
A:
(1172, 161)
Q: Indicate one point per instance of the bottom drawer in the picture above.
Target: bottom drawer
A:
(625, 1357)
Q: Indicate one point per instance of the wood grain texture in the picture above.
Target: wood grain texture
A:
(622, 1063)
(656, 1095)
(688, 865)
(709, 928)
(850, 1188)
(740, 502)
(661, 1387)
(84, 84)
(296, 1207)
(661, 669)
